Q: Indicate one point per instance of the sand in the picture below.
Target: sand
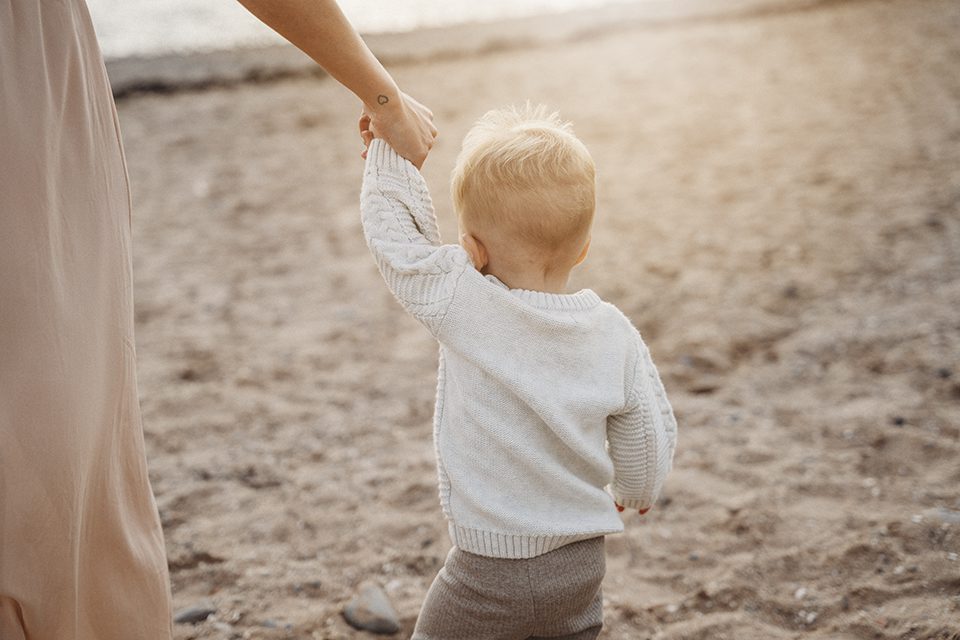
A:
(779, 215)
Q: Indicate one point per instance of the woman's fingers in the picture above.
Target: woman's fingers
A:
(365, 134)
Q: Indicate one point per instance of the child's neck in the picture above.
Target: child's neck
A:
(532, 281)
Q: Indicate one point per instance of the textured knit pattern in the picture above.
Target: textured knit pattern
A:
(557, 595)
(543, 400)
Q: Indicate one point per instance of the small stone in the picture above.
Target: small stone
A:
(952, 557)
(811, 617)
(694, 556)
(673, 608)
(899, 421)
(310, 588)
(948, 516)
(800, 593)
(193, 615)
(916, 518)
(394, 585)
(943, 373)
(371, 610)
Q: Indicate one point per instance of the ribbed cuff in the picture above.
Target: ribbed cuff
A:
(500, 545)
(632, 503)
(381, 154)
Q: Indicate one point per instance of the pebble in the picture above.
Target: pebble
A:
(950, 516)
(273, 624)
(371, 610)
(800, 593)
(807, 617)
(194, 614)
(394, 585)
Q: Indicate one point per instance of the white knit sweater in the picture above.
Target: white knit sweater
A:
(543, 400)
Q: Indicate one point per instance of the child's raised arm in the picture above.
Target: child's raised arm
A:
(401, 230)
(642, 438)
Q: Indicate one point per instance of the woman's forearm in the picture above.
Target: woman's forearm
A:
(319, 29)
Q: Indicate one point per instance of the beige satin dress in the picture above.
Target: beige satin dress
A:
(81, 549)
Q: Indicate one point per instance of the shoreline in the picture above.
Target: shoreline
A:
(192, 71)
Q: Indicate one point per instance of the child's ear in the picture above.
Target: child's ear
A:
(583, 254)
(476, 251)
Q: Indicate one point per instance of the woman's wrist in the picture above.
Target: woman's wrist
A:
(384, 101)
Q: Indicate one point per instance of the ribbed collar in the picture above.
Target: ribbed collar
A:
(583, 299)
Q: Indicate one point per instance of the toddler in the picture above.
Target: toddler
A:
(544, 399)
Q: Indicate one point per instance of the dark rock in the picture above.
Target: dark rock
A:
(943, 373)
(371, 610)
(194, 614)
(899, 421)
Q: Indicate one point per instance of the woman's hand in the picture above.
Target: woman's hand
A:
(404, 123)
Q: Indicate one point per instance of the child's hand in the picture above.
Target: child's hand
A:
(620, 507)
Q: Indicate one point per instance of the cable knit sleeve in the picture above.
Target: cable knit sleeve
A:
(401, 231)
(643, 437)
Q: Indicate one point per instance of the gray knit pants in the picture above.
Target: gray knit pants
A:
(554, 595)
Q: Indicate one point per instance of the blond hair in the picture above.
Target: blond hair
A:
(523, 172)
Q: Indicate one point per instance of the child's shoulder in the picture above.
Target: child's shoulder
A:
(618, 317)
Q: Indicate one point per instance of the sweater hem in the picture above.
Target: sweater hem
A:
(512, 546)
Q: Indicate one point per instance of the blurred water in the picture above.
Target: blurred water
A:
(145, 27)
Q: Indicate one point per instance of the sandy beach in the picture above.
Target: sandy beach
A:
(779, 215)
